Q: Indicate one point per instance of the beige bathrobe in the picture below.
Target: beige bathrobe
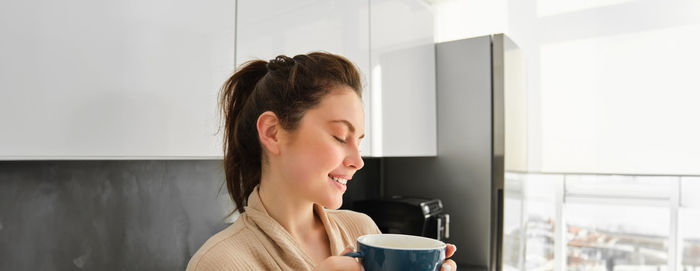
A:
(257, 242)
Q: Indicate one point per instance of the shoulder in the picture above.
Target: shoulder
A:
(225, 250)
(356, 222)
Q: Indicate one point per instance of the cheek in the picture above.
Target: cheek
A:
(318, 157)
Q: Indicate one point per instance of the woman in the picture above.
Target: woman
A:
(292, 131)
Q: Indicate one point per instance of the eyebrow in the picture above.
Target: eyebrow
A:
(347, 123)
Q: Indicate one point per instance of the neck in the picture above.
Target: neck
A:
(296, 215)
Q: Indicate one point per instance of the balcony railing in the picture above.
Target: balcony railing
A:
(601, 222)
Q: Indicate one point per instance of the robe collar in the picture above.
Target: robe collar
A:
(293, 254)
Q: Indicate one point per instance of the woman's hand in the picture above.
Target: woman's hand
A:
(449, 265)
(338, 263)
(349, 263)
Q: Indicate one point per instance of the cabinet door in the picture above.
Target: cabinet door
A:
(267, 28)
(113, 79)
(402, 97)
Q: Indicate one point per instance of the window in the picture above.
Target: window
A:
(616, 237)
(689, 224)
(513, 242)
(530, 221)
(606, 222)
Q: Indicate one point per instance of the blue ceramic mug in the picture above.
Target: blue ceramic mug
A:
(399, 252)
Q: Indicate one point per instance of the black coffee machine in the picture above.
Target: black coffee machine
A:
(414, 216)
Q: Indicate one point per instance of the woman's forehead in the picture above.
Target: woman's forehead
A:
(340, 108)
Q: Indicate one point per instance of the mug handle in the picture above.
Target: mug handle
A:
(357, 254)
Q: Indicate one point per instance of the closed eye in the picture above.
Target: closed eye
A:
(339, 140)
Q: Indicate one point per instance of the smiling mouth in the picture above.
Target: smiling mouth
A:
(339, 180)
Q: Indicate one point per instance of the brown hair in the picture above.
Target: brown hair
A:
(285, 86)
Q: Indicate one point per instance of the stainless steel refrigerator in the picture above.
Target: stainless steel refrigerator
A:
(477, 79)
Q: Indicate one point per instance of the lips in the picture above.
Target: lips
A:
(339, 182)
(338, 179)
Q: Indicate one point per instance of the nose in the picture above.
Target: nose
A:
(354, 159)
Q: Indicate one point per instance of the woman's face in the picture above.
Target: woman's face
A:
(324, 147)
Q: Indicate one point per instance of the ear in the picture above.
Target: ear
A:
(269, 131)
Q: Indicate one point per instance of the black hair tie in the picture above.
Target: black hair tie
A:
(280, 62)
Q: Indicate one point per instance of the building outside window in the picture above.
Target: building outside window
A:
(610, 222)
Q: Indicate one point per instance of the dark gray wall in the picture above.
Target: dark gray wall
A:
(117, 215)
(107, 215)
(461, 173)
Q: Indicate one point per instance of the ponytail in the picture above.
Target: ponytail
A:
(286, 86)
(241, 147)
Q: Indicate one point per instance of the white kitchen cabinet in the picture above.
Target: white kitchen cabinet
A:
(402, 92)
(268, 28)
(391, 42)
(113, 80)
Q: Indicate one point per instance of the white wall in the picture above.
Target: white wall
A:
(612, 83)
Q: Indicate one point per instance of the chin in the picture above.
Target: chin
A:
(333, 203)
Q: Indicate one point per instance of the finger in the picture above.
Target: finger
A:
(448, 265)
(450, 250)
(348, 249)
(349, 264)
